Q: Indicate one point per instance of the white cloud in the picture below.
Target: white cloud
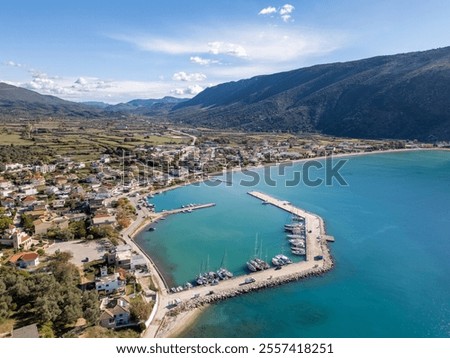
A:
(81, 81)
(202, 61)
(12, 64)
(164, 45)
(268, 10)
(90, 84)
(227, 48)
(178, 47)
(44, 84)
(285, 11)
(96, 89)
(188, 77)
(190, 90)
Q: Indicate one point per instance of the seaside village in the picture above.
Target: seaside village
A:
(70, 224)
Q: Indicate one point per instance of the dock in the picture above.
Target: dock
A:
(318, 261)
(187, 209)
(315, 229)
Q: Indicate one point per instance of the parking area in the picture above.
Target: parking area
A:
(81, 250)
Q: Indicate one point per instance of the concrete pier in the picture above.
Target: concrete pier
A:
(315, 229)
(188, 209)
(318, 261)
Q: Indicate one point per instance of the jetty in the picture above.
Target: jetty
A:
(318, 261)
(315, 228)
(187, 209)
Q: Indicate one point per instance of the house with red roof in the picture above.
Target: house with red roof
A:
(24, 259)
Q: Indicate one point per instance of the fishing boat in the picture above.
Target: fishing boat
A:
(281, 260)
(296, 236)
(297, 243)
(224, 274)
(262, 264)
(251, 267)
(298, 251)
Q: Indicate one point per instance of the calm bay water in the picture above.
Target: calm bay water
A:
(392, 230)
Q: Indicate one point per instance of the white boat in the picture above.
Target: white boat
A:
(297, 242)
(262, 264)
(251, 267)
(280, 260)
(224, 274)
(298, 251)
(295, 236)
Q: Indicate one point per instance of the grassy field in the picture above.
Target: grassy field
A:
(13, 138)
(86, 140)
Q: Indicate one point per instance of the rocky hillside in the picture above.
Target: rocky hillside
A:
(399, 96)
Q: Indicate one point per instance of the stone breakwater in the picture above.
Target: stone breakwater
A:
(176, 306)
(194, 303)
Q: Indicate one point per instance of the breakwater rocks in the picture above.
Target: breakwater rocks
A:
(251, 287)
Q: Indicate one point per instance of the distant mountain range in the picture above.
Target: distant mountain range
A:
(17, 101)
(401, 96)
(147, 106)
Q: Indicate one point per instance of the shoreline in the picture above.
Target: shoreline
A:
(213, 175)
(189, 313)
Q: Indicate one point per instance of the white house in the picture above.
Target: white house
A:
(13, 166)
(103, 219)
(109, 283)
(46, 168)
(16, 238)
(25, 259)
(116, 313)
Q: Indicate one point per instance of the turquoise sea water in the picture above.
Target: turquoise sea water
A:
(392, 250)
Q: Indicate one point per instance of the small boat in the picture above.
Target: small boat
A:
(277, 262)
(298, 252)
(298, 244)
(281, 260)
(298, 218)
(251, 267)
(296, 236)
(224, 274)
(151, 228)
(262, 264)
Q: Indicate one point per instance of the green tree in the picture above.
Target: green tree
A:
(5, 222)
(46, 330)
(91, 307)
(78, 229)
(27, 222)
(70, 306)
(46, 309)
(139, 309)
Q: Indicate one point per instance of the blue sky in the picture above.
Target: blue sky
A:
(115, 51)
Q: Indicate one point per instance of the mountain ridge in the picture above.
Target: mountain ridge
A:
(395, 96)
(401, 96)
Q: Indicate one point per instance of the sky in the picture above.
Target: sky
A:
(115, 51)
